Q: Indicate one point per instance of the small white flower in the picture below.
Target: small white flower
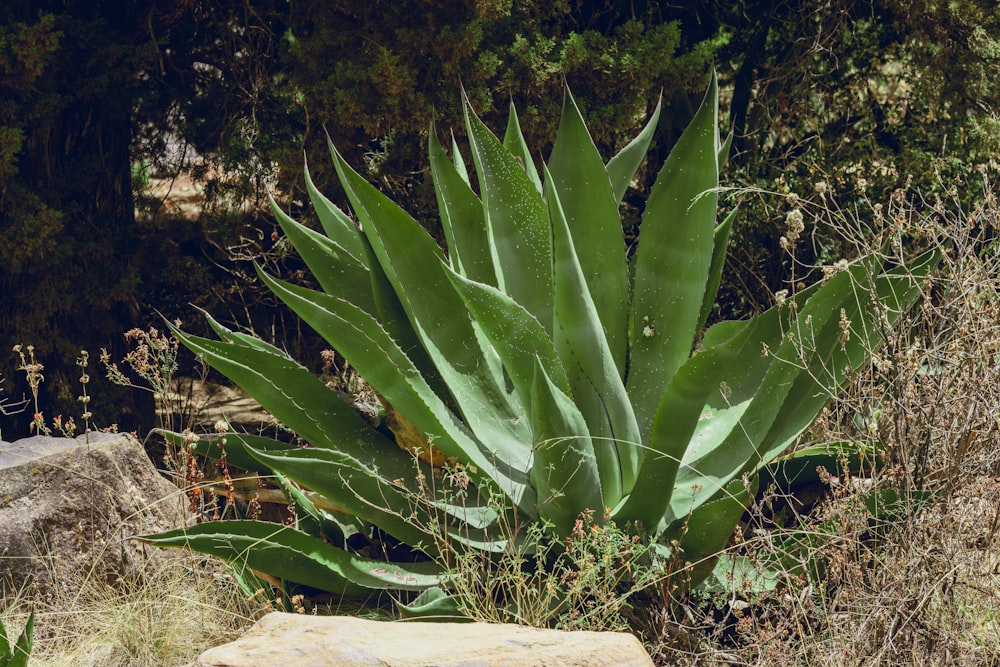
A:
(648, 331)
(794, 222)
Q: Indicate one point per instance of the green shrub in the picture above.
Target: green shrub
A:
(554, 377)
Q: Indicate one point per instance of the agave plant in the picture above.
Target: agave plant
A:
(536, 358)
(17, 654)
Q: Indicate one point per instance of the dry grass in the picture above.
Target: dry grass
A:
(157, 620)
(917, 582)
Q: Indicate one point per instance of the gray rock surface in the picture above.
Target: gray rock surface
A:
(68, 505)
(292, 640)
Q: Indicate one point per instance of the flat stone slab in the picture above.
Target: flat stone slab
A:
(294, 640)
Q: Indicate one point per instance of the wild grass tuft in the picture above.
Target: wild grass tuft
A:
(160, 620)
(894, 563)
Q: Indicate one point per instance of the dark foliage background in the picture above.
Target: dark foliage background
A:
(99, 97)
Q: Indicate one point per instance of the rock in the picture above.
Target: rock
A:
(67, 506)
(294, 640)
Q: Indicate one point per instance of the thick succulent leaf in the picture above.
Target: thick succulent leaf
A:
(724, 149)
(412, 263)
(372, 491)
(238, 337)
(897, 290)
(591, 406)
(373, 353)
(336, 224)
(513, 141)
(22, 647)
(564, 471)
(588, 202)
(673, 261)
(18, 654)
(517, 220)
(622, 167)
(677, 417)
(312, 520)
(456, 159)
(335, 269)
(295, 397)
(462, 218)
(304, 404)
(392, 315)
(379, 494)
(744, 407)
(720, 243)
(736, 572)
(581, 343)
(710, 526)
(389, 310)
(801, 467)
(515, 334)
(4, 644)
(291, 555)
(208, 446)
(434, 605)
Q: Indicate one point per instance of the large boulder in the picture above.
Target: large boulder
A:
(295, 640)
(67, 507)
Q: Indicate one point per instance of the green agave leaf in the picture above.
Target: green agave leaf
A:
(747, 404)
(710, 526)
(337, 271)
(720, 243)
(17, 655)
(515, 334)
(388, 309)
(237, 337)
(366, 492)
(517, 220)
(336, 224)
(291, 555)
(799, 468)
(724, 149)
(897, 290)
(734, 572)
(4, 644)
(296, 397)
(673, 261)
(513, 141)
(564, 471)
(374, 495)
(392, 315)
(462, 218)
(580, 341)
(373, 353)
(591, 210)
(207, 446)
(433, 605)
(359, 454)
(677, 417)
(622, 167)
(456, 159)
(411, 260)
(361, 462)
(312, 520)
